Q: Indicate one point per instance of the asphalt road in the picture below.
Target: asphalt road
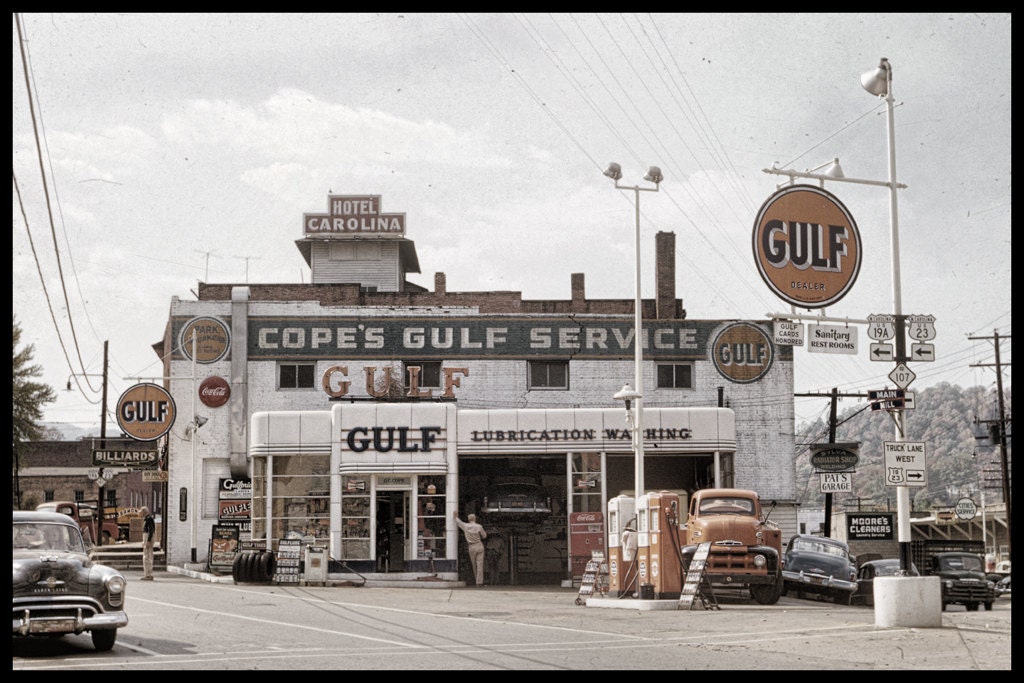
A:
(183, 623)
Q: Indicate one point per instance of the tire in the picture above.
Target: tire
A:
(106, 538)
(944, 606)
(236, 568)
(104, 640)
(842, 598)
(766, 594)
(972, 606)
(263, 566)
(988, 606)
(251, 564)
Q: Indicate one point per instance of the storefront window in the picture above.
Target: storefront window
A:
(432, 520)
(586, 482)
(300, 498)
(355, 518)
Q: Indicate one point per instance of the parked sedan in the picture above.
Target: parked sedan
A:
(57, 588)
(819, 566)
(517, 498)
(865, 594)
(1003, 587)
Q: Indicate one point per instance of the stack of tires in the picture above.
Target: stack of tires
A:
(253, 567)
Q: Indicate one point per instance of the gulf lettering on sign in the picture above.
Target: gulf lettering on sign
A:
(806, 246)
(742, 352)
(146, 412)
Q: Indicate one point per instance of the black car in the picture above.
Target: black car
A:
(865, 594)
(517, 498)
(57, 588)
(1003, 587)
(819, 566)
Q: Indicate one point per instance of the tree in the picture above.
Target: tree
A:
(27, 401)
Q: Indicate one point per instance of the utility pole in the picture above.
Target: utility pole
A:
(832, 425)
(101, 507)
(998, 431)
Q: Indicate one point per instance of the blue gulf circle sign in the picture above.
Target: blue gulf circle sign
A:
(807, 246)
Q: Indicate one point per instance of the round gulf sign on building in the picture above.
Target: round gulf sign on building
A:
(146, 412)
(807, 246)
(743, 352)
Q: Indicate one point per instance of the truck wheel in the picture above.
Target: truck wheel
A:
(104, 640)
(106, 539)
(767, 594)
(972, 607)
(944, 606)
(988, 606)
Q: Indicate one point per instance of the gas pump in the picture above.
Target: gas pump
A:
(621, 544)
(643, 547)
(664, 558)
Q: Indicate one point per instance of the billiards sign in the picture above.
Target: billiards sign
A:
(806, 246)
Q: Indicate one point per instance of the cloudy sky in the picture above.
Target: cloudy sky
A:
(160, 150)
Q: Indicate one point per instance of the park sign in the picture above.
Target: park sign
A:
(806, 246)
(834, 457)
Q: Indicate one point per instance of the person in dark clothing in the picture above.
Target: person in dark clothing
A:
(148, 532)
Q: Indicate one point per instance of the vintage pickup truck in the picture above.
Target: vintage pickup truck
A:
(88, 520)
(746, 548)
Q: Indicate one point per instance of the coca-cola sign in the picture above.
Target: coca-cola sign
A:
(214, 391)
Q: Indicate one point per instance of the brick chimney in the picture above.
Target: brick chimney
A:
(579, 297)
(439, 284)
(665, 275)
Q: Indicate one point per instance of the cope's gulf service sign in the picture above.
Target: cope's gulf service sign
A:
(807, 246)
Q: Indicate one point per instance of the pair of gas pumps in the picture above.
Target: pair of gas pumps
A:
(645, 539)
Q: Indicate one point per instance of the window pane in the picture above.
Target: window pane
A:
(665, 377)
(288, 377)
(683, 375)
(305, 376)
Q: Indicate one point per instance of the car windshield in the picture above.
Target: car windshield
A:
(42, 536)
(964, 562)
(726, 506)
(808, 545)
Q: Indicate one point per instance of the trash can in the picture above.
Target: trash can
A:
(646, 591)
(315, 569)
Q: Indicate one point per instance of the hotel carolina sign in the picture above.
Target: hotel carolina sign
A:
(353, 214)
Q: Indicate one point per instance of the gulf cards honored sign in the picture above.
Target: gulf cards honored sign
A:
(807, 246)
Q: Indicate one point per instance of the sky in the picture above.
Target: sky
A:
(158, 151)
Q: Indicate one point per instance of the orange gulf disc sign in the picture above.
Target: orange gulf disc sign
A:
(743, 352)
(807, 246)
(146, 412)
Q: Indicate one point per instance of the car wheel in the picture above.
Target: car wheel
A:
(842, 598)
(104, 640)
(988, 606)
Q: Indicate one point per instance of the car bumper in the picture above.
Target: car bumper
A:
(812, 582)
(26, 625)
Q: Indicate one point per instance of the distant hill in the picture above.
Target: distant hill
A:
(69, 431)
(957, 462)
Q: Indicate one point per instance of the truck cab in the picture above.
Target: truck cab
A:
(963, 579)
(96, 531)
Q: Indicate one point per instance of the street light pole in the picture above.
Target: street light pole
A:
(879, 83)
(614, 171)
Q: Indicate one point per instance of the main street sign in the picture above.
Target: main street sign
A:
(904, 463)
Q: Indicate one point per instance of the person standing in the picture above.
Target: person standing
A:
(148, 532)
(475, 536)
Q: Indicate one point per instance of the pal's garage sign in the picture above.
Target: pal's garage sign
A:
(807, 246)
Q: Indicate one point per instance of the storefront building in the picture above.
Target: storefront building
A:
(367, 411)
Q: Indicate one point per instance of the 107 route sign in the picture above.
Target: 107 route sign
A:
(904, 463)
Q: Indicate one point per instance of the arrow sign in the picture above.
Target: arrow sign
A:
(924, 352)
(881, 352)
